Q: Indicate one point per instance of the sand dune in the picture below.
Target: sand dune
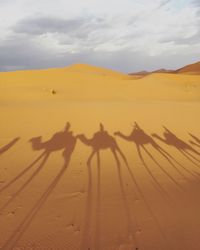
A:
(193, 69)
(96, 159)
(84, 82)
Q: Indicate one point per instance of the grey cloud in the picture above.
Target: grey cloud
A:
(42, 25)
(25, 54)
(196, 2)
(193, 40)
(38, 26)
(163, 3)
(22, 53)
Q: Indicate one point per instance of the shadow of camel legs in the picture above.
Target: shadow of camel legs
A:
(191, 155)
(184, 168)
(195, 144)
(161, 168)
(98, 205)
(88, 213)
(189, 158)
(18, 233)
(22, 173)
(157, 185)
(146, 203)
(130, 230)
(9, 145)
(168, 157)
(195, 138)
(86, 243)
(28, 181)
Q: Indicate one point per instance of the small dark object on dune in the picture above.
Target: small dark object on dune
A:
(53, 91)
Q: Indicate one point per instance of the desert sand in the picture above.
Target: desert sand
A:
(93, 159)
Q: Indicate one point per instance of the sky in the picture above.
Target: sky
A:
(124, 35)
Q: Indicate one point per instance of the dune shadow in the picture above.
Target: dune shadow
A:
(64, 140)
(6, 147)
(183, 147)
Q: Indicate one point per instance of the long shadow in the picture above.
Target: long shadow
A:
(28, 181)
(101, 140)
(142, 196)
(9, 145)
(195, 138)
(68, 150)
(184, 148)
(23, 172)
(89, 211)
(98, 205)
(85, 242)
(140, 138)
(129, 218)
(149, 209)
(57, 142)
(157, 185)
(196, 142)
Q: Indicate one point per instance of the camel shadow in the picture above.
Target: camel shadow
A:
(9, 145)
(141, 139)
(62, 140)
(196, 142)
(57, 142)
(101, 140)
(184, 148)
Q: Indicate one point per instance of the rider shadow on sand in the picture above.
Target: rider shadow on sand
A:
(62, 140)
(101, 140)
(9, 145)
(184, 148)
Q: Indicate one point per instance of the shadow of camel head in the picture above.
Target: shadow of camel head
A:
(36, 143)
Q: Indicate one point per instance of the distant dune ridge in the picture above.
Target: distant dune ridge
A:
(188, 69)
(87, 82)
(191, 69)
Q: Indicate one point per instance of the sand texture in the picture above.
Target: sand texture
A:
(93, 159)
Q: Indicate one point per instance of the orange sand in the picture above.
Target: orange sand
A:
(50, 198)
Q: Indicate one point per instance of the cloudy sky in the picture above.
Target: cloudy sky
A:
(126, 35)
